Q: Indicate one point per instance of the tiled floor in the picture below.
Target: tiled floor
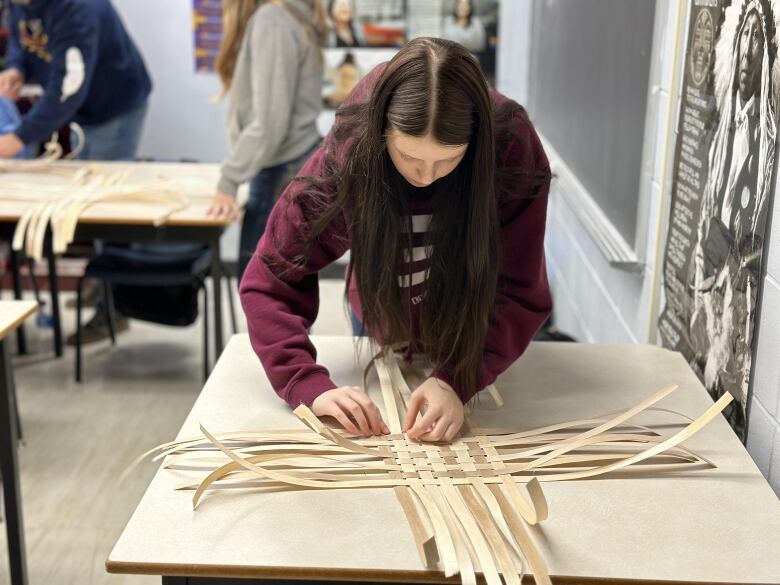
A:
(79, 438)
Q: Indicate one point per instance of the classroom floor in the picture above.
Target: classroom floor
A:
(79, 438)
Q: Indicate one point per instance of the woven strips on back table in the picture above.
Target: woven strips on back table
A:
(469, 504)
(88, 186)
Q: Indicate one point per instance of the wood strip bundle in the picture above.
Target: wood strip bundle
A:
(52, 152)
(61, 208)
(470, 504)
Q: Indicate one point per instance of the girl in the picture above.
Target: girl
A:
(438, 186)
(270, 64)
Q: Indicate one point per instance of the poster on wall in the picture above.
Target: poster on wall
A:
(357, 27)
(722, 187)
(364, 33)
(207, 32)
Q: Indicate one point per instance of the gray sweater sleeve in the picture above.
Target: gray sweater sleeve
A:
(274, 72)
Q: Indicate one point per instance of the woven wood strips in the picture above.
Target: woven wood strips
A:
(471, 504)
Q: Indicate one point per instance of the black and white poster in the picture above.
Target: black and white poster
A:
(722, 186)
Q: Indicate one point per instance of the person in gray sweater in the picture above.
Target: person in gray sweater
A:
(271, 68)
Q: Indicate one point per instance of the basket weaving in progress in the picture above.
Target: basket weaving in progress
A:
(470, 504)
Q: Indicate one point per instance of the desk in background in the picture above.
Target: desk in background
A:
(131, 222)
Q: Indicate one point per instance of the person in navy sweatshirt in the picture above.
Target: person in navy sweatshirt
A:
(90, 70)
(438, 187)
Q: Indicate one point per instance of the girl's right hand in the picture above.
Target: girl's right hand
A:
(354, 410)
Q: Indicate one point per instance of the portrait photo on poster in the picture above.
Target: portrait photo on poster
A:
(365, 33)
(722, 189)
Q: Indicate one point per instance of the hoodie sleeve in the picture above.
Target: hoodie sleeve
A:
(279, 294)
(15, 55)
(73, 50)
(523, 301)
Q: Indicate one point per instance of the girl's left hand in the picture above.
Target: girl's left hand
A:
(444, 415)
(224, 206)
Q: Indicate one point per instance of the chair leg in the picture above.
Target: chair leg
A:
(231, 302)
(108, 300)
(33, 282)
(78, 328)
(205, 333)
(16, 278)
(15, 401)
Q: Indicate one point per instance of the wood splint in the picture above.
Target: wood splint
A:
(60, 206)
(472, 504)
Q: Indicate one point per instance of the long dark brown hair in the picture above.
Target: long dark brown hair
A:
(431, 87)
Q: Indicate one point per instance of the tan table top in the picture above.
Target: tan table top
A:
(13, 314)
(714, 526)
(198, 182)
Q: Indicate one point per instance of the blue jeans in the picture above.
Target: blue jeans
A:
(115, 139)
(264, 190)
(357, 325)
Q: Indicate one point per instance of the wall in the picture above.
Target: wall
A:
(596, 302)
(182, 123)
(764, 418)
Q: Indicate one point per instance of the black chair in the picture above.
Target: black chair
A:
(159, 269)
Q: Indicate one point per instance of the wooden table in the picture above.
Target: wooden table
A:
(12, 314)
(130, 222)
(712, 526)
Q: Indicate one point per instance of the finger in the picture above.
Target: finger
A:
(452, 430)
(370, 409)
(438, 430)
(355, 411)
(344, 420)
(423, 424)
(413, 409)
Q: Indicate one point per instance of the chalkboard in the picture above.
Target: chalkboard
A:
(588, 87)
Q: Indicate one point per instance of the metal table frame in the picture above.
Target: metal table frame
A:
(9, 469)
(123, 232)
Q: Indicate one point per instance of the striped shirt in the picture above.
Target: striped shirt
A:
(417, 263)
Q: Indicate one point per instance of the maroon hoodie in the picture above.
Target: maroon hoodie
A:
(281, 298)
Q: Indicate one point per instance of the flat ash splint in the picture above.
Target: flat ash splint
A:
(89, 186)
(470, 503)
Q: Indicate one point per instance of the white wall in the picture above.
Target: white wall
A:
(764, 424)
(182, 122)
(596, 302)
(514, 38)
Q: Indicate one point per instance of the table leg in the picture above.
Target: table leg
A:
(216, 277)
(21, 337)
(55, 300)
(9, 469)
